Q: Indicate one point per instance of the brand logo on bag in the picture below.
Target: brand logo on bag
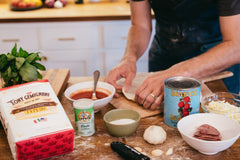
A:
(29, 95)
(33, 105)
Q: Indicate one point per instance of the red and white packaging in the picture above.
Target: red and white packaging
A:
(35, 122)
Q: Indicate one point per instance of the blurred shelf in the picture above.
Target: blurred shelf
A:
(103, 10)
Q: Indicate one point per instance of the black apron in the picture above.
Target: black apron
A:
(185, 29)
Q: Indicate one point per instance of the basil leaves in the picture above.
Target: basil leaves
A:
(20, 67)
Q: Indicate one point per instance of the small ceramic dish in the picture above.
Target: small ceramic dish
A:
(229, 130)
(121, 122)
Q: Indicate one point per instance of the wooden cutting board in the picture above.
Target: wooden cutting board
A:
(123, 103)
(58, 79)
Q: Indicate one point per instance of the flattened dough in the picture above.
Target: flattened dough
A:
(137, 81)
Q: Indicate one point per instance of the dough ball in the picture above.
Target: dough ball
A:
(155, 135)
(157, 152)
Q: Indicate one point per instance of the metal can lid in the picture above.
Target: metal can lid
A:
(84, 103)
(182, 83)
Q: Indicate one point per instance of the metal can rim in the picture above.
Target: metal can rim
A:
(198, 83)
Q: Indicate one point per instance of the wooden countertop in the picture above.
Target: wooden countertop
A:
(97, 147)
(103, 10)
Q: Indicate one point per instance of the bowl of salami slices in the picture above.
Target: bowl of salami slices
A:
(209, 133)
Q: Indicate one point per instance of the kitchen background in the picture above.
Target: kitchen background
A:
(81, 37)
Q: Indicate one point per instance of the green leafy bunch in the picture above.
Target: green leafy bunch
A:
(20, 67)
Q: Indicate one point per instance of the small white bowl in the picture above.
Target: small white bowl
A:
(101, 86)
(228, 128)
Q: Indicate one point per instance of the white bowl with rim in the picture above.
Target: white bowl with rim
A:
(228, 128)
(103, 87)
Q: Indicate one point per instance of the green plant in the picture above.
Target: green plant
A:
(20, 67)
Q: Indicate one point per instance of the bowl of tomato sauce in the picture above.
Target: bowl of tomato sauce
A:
(104, 93)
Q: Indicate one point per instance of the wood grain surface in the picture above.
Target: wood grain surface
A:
(58, 79)
(97, 147)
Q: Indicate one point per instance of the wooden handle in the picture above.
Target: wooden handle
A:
(217, 76)
(96, 75)
(205, 91)
(11, 40)
(67, 39)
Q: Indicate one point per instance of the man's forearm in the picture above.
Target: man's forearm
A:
(220, 57)
(137, 43)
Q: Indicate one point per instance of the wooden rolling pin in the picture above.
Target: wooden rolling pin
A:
(205, 91)
(217, 76)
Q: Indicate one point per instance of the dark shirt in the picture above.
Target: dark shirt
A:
(187, 28)
(191, 21)
(197, 7)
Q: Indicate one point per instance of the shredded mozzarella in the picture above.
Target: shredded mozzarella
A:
(222, 107)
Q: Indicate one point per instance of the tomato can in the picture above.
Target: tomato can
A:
(181, 98)
(84, 117)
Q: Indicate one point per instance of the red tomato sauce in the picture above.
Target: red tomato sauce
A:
(87, 94)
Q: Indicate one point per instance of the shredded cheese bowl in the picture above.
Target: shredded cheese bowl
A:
(224, 103)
